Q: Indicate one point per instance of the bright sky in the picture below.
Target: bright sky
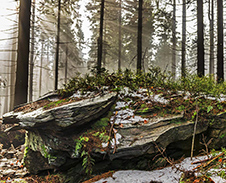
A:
(6, 17)
(85, 26)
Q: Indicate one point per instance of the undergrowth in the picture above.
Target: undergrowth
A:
(154, 78)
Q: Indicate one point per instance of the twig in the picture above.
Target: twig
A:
(167, 159)
(112, 125)
(206, 144)
(206, 164)
(111, 129)
(115, 146)
(193, 138)
(202, 161)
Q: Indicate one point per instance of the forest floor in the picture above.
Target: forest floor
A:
(208, 169)
(12, 169)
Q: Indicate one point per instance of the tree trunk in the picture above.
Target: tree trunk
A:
(173, 69)
(21, 86)
(200, 56)
(40, 70)
(105, 45)
(211, 19)
(66, 64)
(139, 37)
(183, 59)
(220, 42)
(32, 52)
(100, 39)
(120, 36)
(57, 45)
(13, 71)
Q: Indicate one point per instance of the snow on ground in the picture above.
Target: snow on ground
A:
(165, 175)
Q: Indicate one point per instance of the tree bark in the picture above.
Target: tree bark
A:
(211, 19)
(21, 86)
(183, 59)
(40, 70)
(139, 37)
(31, 69)
(200, 56)
(104, 45)
(13, 71)
(120, 36)
(66, 64)
(100, 39)
(220, 42)
(173, 69)
(57, 45)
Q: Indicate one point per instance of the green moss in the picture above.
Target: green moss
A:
(178, 121)
(143, 111)
(55, 103)
(223, 135)
(26, 151)
(103, 122)
(46, 154)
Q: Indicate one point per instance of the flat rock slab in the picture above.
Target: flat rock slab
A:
(139, 140)
(73, 114)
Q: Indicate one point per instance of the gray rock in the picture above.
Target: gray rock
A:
(63, 117)
(50, 138)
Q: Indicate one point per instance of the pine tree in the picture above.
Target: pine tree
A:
(139, 36)
(174, 40)
(200, 69)
(220, 42)
(211, 19)
(57, 45)
(100, 38)
(21, 86)
(183, 61)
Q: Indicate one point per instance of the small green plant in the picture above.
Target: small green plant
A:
(87, 160)
(25, 154)
(194, 115)
(223, 135)
(180, 108)
(46, 154)
(80, 143)
(222, 174)
(144, 110)
(209, 108)
(219, 106)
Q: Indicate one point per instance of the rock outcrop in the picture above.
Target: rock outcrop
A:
(51, 134)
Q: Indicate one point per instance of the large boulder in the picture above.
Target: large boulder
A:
(51, 133)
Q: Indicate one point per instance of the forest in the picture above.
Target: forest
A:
(76, 47)
(66, 38)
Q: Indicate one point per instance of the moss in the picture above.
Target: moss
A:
(55, 103)
(143, 111)
(103, 122)
(26, 151)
